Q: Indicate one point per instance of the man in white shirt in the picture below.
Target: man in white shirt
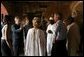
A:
(50, 35)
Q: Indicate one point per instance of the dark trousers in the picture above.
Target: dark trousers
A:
(16, 51)
(59, 48)
(5, 50)
(17, 48)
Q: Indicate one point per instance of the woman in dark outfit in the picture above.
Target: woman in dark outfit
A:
(6, 42)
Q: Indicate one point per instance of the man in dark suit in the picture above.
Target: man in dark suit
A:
(17, 36)
(59, 42)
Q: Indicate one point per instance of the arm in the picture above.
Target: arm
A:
(47, 29)
(16, 30)
(8, 41)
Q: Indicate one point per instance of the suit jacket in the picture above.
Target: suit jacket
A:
(17, 35)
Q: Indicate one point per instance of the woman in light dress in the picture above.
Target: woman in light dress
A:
(35, 41)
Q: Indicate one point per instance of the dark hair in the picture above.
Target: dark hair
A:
(71, 19)
(25, 15)
(8, 19)
(17, 17)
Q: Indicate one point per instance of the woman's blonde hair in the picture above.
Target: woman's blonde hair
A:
(37, 19)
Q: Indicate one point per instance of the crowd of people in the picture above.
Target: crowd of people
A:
(59, 38)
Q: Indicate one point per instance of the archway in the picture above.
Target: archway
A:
(3, 11)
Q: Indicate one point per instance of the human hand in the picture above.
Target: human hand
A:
(49, 31)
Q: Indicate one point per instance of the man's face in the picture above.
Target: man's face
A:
(51, 22)
(17, 21)
(66, 22)
(56, 16)
(27, 21)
